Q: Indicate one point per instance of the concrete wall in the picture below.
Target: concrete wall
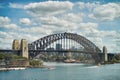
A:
(19, 62)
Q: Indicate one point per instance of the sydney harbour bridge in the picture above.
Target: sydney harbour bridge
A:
(61, 43)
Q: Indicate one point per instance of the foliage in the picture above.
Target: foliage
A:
(52, 57)
(59, 57)
(116, 59)
(9, 56)
(36, 63)
(81, 58)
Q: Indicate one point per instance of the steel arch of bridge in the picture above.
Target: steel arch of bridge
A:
(42, 43)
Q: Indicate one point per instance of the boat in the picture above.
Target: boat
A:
(99, 64)
(51, 68)
(70, 61)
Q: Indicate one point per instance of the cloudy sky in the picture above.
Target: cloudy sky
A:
(97, 20)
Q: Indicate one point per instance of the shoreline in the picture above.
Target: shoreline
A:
(20, 67)
(12, 68)
(8, 68)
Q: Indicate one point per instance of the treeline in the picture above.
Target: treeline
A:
(15, 59)
(9, 56)
(116, 59)
(36, 63)
(61, 58)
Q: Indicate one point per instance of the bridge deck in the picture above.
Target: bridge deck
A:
(3, 50)
(78, 51)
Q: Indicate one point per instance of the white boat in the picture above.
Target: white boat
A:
(51, 68)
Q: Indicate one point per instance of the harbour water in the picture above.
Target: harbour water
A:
(63, 71)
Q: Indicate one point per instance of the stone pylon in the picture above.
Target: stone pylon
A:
(24, 48)
(16, 45)
(105, 54)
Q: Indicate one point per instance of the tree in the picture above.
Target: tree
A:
(36, 63)
(9, 56)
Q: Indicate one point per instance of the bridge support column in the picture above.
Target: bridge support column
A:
(16, 45)
(105, 54)
(24, 48)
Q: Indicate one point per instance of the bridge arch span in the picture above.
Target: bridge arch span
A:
(42, 43)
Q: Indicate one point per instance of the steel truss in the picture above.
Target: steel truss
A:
(42, 43)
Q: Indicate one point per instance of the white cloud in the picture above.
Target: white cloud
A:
(65, 22)
(68, 21)
(16, 5)
(106, 12)
(11, 26)
(3, 34)
(101, 34)
(5, 23)
(52, 21)
(104, 38)
(36, 30)
(63, 16)
(4, 20)
(89, 6)
(88, 26)
(81, 5)
(73, 17)
(48, 8)
(109, 34)
(25, 21)
(5, 40)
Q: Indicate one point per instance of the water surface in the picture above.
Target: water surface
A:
(64, 71)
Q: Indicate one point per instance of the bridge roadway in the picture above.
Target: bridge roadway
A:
(31, 52)
(9, 50)
(66, 51)
(78, 51)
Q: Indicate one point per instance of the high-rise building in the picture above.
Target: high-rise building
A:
(58, 46)
(16, 45)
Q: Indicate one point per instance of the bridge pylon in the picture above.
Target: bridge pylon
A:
(105, 54)
(16, 45)
(24, 48)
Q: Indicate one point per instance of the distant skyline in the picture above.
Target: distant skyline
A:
(97, 20)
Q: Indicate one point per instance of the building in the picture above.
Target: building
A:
(58, 46)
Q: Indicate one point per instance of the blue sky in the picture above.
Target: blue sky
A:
(97, 20)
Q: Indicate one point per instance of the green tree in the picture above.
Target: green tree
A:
(36, 63)
(9, 56)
